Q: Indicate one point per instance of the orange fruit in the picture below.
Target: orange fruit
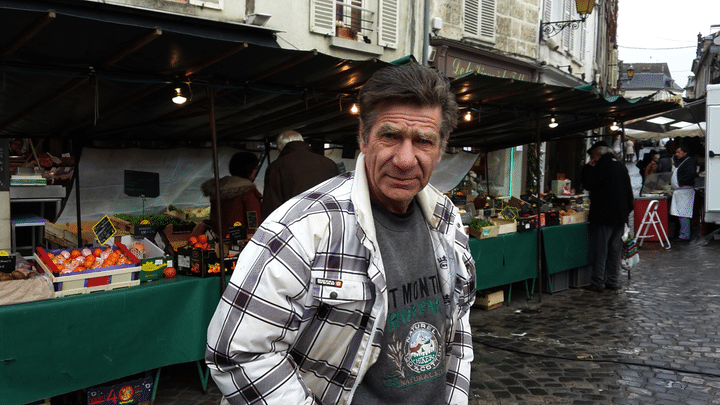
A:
(198, 245)
(97, 252)
(50, 255)
(202, 238)
(144, 222)
(89, 261)
(193, 240)
(79, 269)
(75, 253)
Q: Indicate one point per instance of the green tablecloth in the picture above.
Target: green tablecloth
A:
(566, 247)
(56, 346)
(505, 259)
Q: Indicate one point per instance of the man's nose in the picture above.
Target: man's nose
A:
(404, 157)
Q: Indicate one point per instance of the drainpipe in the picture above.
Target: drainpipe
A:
(426, 33)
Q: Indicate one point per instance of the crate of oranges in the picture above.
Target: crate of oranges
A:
(90, 269)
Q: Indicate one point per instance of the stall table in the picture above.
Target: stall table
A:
(505, 259)
(61, 345)
(565, 247)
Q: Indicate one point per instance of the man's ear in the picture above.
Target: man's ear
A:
(360, 140)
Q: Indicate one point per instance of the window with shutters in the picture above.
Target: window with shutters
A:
(214, 4)
(369, 21)
(572, 40)
(479, 19)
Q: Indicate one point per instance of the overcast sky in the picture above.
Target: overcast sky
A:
(657, 31)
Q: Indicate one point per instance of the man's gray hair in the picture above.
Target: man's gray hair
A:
(599, 151)
(412, 84)
(286, 137)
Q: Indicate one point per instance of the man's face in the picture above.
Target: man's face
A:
(403, 148)
(679, 153)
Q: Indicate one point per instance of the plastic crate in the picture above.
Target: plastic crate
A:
(557, 282)
(91, 280)
(580, 277)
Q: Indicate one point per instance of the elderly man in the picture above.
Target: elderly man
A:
(358, 291)
(611, 201)
(295, 170)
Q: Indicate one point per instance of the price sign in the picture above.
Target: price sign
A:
(7, 262)
(145, 231)
(104, 230)
(237, 233)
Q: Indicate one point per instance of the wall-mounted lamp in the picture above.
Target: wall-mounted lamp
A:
(468, 115)
(553, 123)
(614, 127)
(354, 109)
(630, 71)
(179, 98)
(258, 19)
(549, 29)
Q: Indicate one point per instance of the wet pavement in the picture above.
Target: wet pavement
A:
(655, 341)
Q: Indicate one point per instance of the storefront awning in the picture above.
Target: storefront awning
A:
(106, 74)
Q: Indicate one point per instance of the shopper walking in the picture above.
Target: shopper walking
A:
(611, 201)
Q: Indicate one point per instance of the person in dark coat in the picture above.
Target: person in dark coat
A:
(611, 201)
(294, 171)
(240, 200)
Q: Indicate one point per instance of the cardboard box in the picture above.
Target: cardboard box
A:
(505, 225)
(485, 232)
(66, 235)
(131, 392)
(91, 280)
(575, 218)
(561, 187)
(201, 263)
(177, 238)
(490, 301)
(153, 261)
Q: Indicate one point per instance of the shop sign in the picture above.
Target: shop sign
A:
(463, 66)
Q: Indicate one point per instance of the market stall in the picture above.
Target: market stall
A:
(57, 346)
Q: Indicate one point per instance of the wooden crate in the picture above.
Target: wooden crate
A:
(100, 279)
(65, 235)
(575, 218)
(485, 232)
(490, 301)
(505, 225)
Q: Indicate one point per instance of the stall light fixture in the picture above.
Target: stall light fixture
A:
(553, 123)
(179, 98)
(354, 109)
(468, 116)
(614, 126)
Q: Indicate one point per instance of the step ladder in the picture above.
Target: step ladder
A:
(651, 218)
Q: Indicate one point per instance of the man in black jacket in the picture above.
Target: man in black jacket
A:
(611, 201)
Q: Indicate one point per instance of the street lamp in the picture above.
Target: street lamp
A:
(550, 29)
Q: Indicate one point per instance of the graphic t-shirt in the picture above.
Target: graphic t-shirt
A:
(411, 365)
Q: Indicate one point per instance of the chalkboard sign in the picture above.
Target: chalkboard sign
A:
(252, 220)
(4, 167)
(104, 230)
(7, 262)
(142, 184)
(145, 231)
(238, 233)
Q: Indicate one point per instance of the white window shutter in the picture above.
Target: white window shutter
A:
(322, 17)
(215, 4)
(388, 24)
(567, 32)
(547, 11)
(479, 19)
(471, 17)
(487, 20)
(583, 40)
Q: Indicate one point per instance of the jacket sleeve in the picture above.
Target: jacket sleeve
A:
(458, 375)
(257, 321)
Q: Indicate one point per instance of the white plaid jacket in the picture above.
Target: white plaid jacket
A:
(282, 335)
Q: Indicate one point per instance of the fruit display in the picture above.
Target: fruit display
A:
(199, 242)
(78, 260)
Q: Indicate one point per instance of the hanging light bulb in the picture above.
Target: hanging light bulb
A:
(354, 109)
(614, 126)
(179, 98)
(553, 124)
(468, 115)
